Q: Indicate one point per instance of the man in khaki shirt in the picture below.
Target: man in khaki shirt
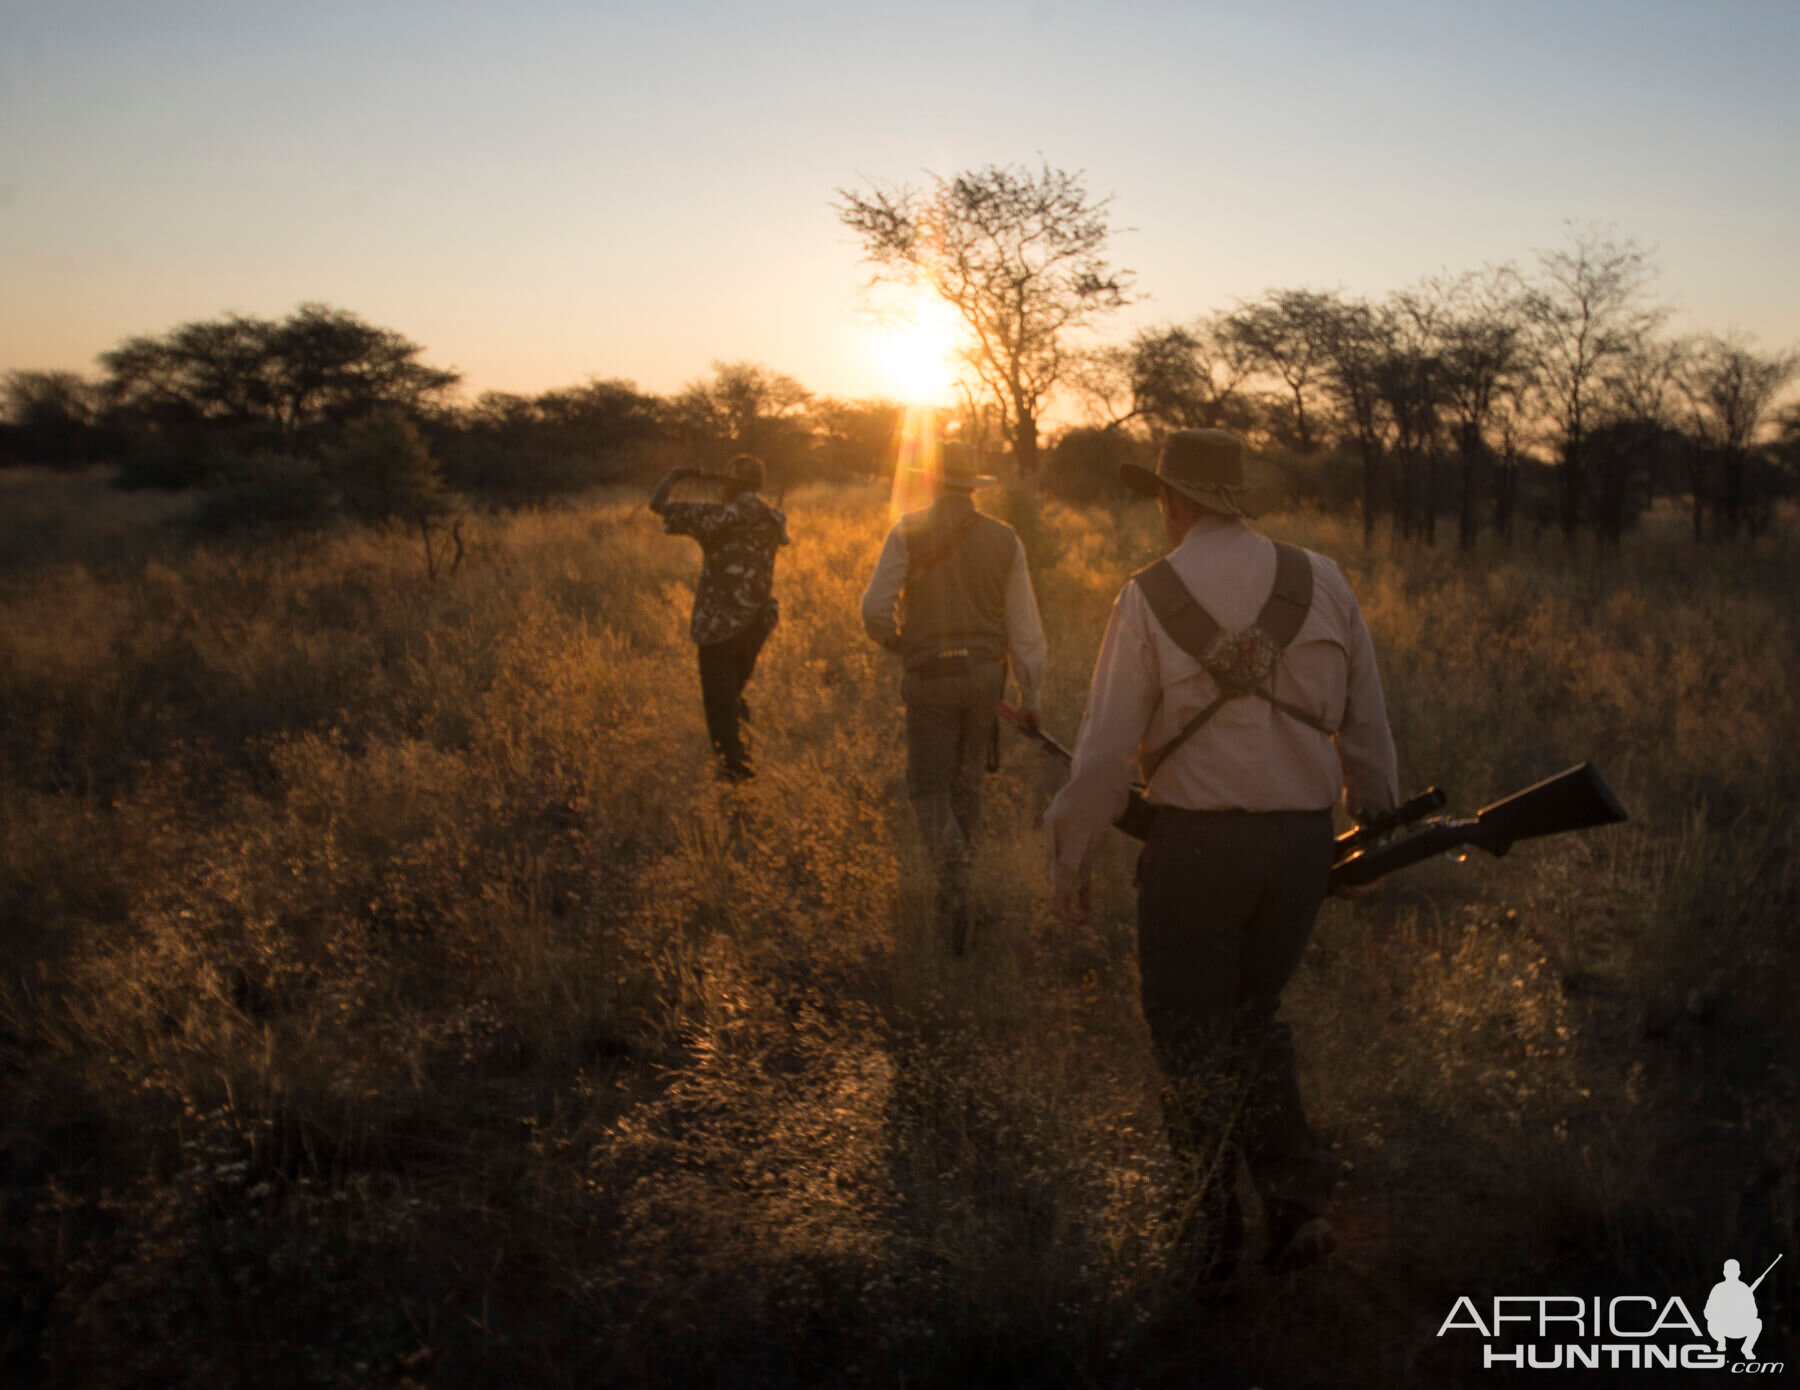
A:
(1236, 864)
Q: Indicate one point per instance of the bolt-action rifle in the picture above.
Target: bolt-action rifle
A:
(1573, 800)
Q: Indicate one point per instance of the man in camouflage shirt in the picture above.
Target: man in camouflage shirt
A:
(734, 607)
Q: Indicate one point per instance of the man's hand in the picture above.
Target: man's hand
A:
(1024, 718)
(1076, 906)
(660, 498)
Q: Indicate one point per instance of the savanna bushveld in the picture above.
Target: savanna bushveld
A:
(390, 995)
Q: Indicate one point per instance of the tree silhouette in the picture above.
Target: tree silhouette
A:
(319, 368)
(1586, 308)
(745, 408)
(1170, 378)
(1020, 257)
(45, 417)
(1481, 338)
(1355, 340)
(1281, 334)
(1732, 389)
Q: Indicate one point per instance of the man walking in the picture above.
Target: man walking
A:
(735, 608)
(952, 595)
(1239, 673)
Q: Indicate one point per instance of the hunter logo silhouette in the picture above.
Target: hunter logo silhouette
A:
(1731, 1309)
(1629, 1332)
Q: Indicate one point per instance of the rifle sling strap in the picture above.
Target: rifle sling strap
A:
(1197, 633)
(923, 564)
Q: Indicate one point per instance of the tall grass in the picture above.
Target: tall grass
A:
(391, 992)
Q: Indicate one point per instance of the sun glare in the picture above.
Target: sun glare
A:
(916, 462)
(916, 352)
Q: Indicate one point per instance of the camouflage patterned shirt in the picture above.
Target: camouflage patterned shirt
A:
(739, 538)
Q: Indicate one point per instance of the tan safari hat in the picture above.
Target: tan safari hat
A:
(1210, 467)
(957, 468)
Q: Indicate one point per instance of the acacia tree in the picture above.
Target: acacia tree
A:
(1586, 308)
(45, 417)
(1020, 256)
(1638, 440)
(200, 375)
(1280, 334)
(745, 408)
(1481, 339)
(320, 367)
(1170, 378)
(330, 367)
(1731, 389)
(1409, 378)
(1515, 408)
(853, 439)
(1356, 340)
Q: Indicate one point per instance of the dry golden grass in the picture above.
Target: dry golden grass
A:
(392, 995)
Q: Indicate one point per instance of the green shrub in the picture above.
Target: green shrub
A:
(270, 494)
(384, 470)
(1084, 465)
(175, 469)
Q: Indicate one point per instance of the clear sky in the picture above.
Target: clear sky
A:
(541, 191)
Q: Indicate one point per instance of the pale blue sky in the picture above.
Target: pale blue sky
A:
(539, 192)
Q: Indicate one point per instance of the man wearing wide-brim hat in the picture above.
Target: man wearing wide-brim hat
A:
(1237, 673)
(951, 595)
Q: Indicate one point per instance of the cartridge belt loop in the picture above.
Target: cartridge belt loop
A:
(952, 661)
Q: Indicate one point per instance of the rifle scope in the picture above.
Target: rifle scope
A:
(1420, 806)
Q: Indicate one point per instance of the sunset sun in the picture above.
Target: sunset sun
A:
(915, 351)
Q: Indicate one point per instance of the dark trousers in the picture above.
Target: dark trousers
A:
(949, 726)
(725, 669)
(1226, 902)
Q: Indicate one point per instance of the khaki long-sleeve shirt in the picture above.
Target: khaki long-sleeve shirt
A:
(1249, 756)
(1025, 644)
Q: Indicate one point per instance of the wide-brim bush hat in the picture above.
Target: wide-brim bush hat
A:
(956, 467)
(1211, 468)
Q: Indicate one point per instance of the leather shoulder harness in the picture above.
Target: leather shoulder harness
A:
(1240, 663)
